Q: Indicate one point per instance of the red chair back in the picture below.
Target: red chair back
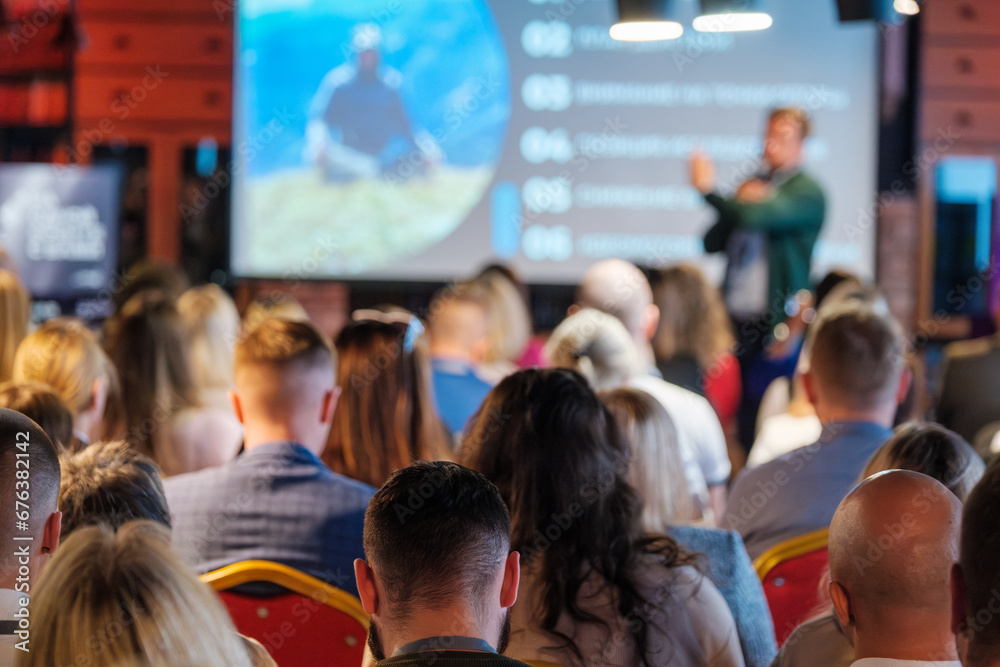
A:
(792, 575)
(312, 623)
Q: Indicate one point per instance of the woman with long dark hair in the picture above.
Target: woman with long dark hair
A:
(385, 417)
(595, 589)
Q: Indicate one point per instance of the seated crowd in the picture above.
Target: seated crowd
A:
(488, 496)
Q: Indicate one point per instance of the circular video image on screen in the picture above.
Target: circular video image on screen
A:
(367, 131)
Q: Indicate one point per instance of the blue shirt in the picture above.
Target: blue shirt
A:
(274, 502)
(798, 493)
(458, 392)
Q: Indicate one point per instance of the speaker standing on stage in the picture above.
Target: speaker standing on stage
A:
(769, 227)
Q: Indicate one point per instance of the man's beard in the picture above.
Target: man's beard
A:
(374, 641)
(504, 639)
(378, 651)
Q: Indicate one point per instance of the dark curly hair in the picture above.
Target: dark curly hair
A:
(550, 446)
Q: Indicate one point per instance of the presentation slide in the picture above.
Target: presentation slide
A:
(422, 139)
(59, 225)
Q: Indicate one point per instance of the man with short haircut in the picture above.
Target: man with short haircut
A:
(620, 289)
(110, 483)
(276, 501)
(975, 579)
(855, 377)
(893, 540)
(29, 525)
(440, 577)
(458, 343)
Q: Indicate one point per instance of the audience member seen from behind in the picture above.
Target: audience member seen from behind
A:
(292, 509)
(29, 474)
(657, 474)
(440, 577)
(149, 276)
(277, 306)
(64, 354)
(163, 416)
(385, 418)
(894, 601)
(786, 420)
(620, 289)
(43, 406)
(560, 462)
(130, 581)
(597, 346)
(694, 340)
(934, 451)
(110, 483)
(924, 448)
(212, 326)
(508, 323)
(975, 579)
(15, 309)
(855, 379)
(458, 344)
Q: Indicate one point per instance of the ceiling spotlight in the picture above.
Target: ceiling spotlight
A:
(732, 16)
(907, 7)
(645, 20)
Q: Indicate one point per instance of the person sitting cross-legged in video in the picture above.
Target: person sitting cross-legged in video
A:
(440, 578)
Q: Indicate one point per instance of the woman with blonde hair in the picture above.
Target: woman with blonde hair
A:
(597, 346)
(64, 354)
(124, 598)
(212, 325)
(656, 471)
(163, 416)
(508, 322)
(694, 340)
(15, 309)
(385, 417)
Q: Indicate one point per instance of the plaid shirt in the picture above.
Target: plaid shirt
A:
(274, 502)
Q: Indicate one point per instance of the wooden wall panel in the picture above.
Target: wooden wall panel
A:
(157, 73)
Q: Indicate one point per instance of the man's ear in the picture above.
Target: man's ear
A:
(50, 535)
(809, 386)
(330, 399)
(842, 607)
(367, 590)
(958, 625)
(511, 580)
(234, 398)
(650, 321)
(905, 378)
(480, 350)
(99, 395)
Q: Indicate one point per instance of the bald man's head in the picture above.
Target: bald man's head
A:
(619, 288)
(893, 540)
